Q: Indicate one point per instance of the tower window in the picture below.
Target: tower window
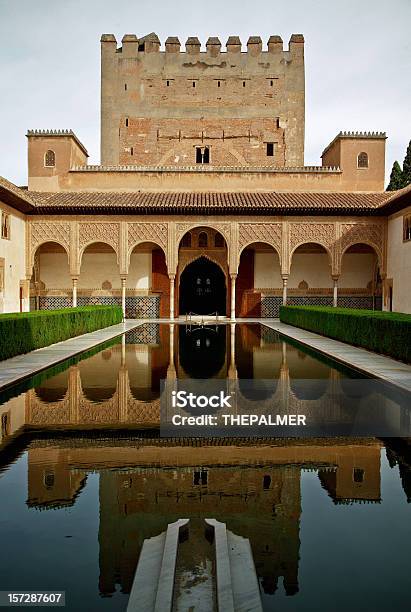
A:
(131, 150)
(126, 121)
(202, 155)
(194, 83)
(362, 161)
(168, 83)
(270, 149)
(50, 159)
(125, 86)
(243, 83)
(218, 83)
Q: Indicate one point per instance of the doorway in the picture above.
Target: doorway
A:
(203, 288)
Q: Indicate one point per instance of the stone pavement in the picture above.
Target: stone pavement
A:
(22, 366)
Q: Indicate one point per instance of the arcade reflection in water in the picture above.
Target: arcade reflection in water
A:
(146, 482)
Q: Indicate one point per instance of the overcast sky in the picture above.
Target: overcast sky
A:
(358, 62)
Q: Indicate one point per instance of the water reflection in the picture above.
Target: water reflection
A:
(256, 490)
(81, 424)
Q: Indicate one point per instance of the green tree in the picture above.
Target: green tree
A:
(396, 178)
(406, 167)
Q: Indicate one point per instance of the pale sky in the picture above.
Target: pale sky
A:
(358, 63)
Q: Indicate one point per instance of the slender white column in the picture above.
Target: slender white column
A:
(335, 291)
(172, 279)
(123, 295)
(233, 280)
(285, 279)
(74, 281)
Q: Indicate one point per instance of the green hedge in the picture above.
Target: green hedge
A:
(25, 331)
(388, 333)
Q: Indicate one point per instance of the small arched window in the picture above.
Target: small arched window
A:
(407, 227)
(50, 159)
(218, 240)
(202, 239)
(362, 161)
(186, 241)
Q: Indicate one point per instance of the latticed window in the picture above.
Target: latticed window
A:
(407, 227)
(202, 240)
(218, 240)
(50, 159)
(363, 160)
(186, 240)
(5, 226)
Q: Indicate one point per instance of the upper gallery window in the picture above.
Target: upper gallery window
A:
(5, 226)
(270, 149)
(50, 159)
(362, 161)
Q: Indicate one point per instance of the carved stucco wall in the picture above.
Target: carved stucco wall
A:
(336, 236)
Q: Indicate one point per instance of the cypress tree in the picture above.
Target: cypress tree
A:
(406, 168)
(396, 178)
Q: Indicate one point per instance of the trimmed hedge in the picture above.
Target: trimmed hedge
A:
(388, 333)
(26, 331)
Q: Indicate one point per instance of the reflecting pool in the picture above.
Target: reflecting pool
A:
(85, 477)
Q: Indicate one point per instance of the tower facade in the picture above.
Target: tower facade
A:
(184, 108)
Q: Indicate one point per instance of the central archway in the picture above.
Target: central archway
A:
(203, 288)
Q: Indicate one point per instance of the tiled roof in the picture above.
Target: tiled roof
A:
(208, 203)
(15, 196)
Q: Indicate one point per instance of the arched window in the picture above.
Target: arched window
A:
(362, 161)
(186, 241)
(50, 159)
(5, 226)
(218, 240)
(202, 240)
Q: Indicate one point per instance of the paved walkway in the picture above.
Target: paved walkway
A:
(388, 369)
(22, 366)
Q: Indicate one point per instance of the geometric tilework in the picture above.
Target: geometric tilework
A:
(149, 333)
(309, 300)
(99, 300)
(53, 302)
(358, 301)
(270, 306)
(143, 307)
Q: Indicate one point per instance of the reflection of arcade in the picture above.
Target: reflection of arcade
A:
(120, 386)
(226, 482)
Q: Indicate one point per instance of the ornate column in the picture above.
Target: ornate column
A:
(26, 295)
(123, 295)
(74, 281)
(285, 280)
(335, 290)
(233, 280)
(172, 281)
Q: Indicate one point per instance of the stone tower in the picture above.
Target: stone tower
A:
(182, 108)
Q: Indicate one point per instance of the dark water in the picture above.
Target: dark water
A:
(85, 478)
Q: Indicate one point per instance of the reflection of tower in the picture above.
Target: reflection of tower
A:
(356, 477)
(260, 504)
(51, 484)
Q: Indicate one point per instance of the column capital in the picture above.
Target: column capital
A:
(335, 277)
(172, 277)
(233, 275)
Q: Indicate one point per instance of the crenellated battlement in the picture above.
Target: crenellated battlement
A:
(151, 43)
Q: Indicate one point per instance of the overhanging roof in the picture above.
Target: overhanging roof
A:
(208, 203)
